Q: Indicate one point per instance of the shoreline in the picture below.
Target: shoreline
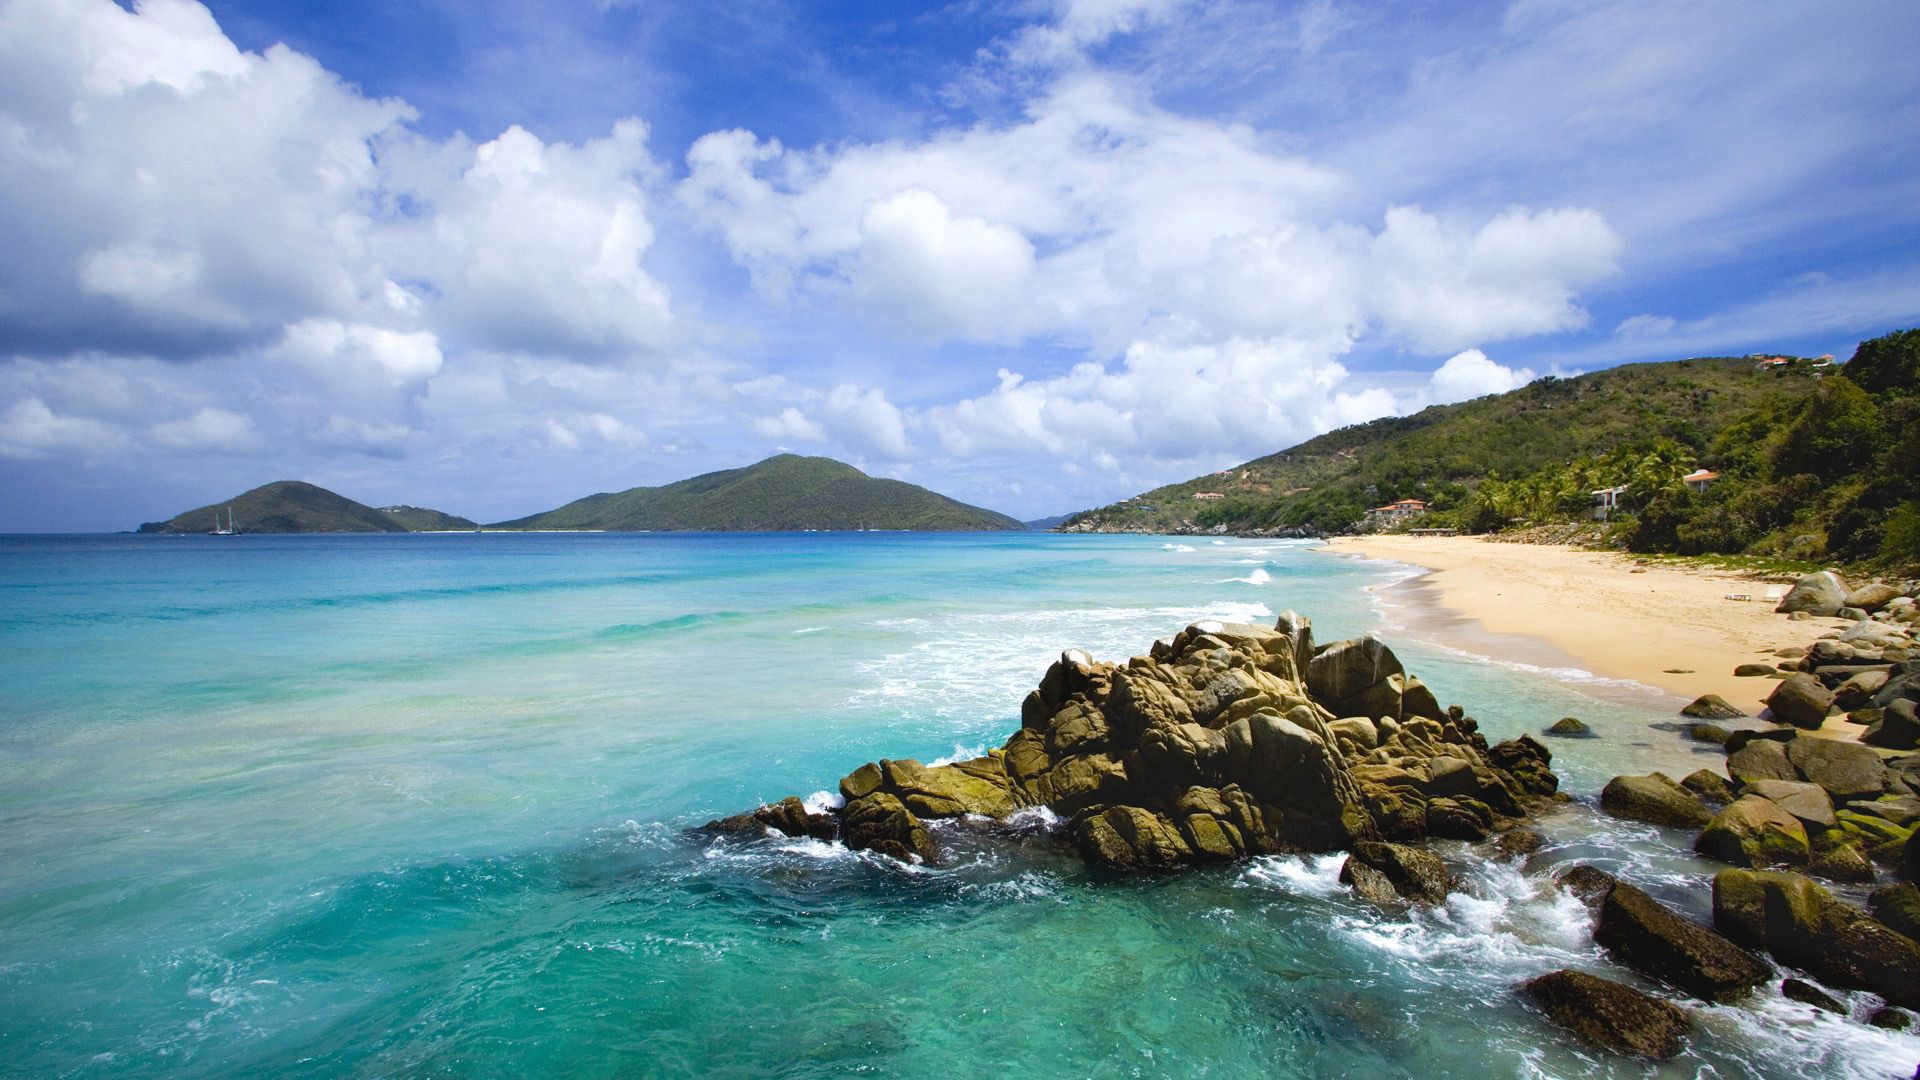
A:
(1662, 633)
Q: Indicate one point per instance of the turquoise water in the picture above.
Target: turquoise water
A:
(416, 805)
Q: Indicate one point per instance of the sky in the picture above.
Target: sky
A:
(490, 256)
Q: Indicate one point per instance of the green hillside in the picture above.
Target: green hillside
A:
(285, 506)
(787, 492)
(1327, 483)
(421, 519)
(1815, 461)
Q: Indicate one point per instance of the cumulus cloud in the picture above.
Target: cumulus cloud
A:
(168, 193)
(1470, 374)
(929, 273)
(29, 429)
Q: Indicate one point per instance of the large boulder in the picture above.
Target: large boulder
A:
(1347, 669)
(1847, 770)
(789, 817)
(1808, 802)
(1800, 700)
(1897, 728)
(1130, 838)
(1806, 926)
(1655, 799)
(1760, 759)
(1610, 1015)
(1871, 597)
(1648, 937)
(1753, 832)
(1898, 906)
(1821, 593)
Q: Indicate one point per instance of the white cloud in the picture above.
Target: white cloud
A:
(1470, 374)
(168, 193)
(331, 347)
(208, 429)
(927, 272)
(789, 423)
(29, 429)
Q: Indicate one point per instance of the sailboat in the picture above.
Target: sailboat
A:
(226, 530)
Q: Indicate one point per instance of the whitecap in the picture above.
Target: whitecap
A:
(821, 802)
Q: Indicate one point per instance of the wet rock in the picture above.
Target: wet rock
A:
(1857, 691)
(1569, 727)
(1610, 1015)
(1517, 844)
(1805, 926)
(1648, 937)
(1588, 884)
(1800, 700)
(789, 817)
(1711, 787)
(1654, 799)
(880, 822)
(1898, 906)
(1711, 707)
(1890, 1018)
(1808, 994)
(1842, 862)
(1820, 594)
(1131, 838)
(1753, 832)
(1409, 873)
(1847, 770)
(1709, 733)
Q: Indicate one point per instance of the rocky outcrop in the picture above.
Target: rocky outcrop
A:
(1804, 925)
(1610, 1015)
(1646, 936)
(1223, 742)
(1654, 799)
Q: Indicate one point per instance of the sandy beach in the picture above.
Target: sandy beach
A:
(1668, 627)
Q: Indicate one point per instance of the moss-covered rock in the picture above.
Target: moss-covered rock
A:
(1655, 799)
(1753, 832)
(1610, 1015)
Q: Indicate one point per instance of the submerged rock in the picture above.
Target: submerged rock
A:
(1569, 726)
(1385, 873)
(1648, 937)
(1610, 1015)
(1808, 994)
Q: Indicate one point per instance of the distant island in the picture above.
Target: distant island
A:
(783, 493)
(292, 506)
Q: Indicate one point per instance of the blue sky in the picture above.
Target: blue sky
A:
(492, 255)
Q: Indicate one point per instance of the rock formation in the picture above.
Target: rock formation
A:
(1225, 741)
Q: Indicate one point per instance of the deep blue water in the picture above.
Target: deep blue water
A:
(416, 805)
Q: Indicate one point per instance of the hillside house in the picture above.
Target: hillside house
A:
(1395, 512)
(1203, 496)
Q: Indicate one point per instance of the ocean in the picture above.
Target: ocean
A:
(292, 806)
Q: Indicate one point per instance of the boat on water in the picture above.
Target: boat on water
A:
(229, 529)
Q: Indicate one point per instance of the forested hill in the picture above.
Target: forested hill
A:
(787, 492)
(1327, 483)
(1815, 461)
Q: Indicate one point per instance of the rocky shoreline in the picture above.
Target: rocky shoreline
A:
(1228, 741)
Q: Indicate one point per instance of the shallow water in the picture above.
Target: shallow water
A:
(416, 804)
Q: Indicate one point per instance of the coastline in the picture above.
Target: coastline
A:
(1668, 628)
